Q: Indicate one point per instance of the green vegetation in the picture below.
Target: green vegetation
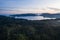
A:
(22, 29)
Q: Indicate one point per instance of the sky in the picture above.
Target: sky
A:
(29, 6)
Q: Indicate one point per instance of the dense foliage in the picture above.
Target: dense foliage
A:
(22, 29)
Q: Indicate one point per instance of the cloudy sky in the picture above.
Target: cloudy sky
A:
(29, 6)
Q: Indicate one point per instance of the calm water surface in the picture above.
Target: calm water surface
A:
(34, 17)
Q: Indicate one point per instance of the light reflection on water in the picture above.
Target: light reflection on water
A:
(34, 17)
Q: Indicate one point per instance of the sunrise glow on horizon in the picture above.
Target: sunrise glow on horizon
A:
(29, 6)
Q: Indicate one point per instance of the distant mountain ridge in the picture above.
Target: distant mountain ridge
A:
(48, 15)
(28, 14)
(57, 15)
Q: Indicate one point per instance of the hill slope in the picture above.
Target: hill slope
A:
(22, 29)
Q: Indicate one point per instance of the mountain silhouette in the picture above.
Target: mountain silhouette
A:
(57, 15)
(27, 14)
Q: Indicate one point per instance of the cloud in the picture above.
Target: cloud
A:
(23, 10)
(56, 9)
(10, 11)
(29, 10)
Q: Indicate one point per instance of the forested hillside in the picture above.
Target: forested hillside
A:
(22, 29)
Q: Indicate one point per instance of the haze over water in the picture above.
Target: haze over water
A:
(34, 17)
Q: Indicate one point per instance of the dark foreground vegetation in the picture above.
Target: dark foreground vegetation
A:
(22, 29)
